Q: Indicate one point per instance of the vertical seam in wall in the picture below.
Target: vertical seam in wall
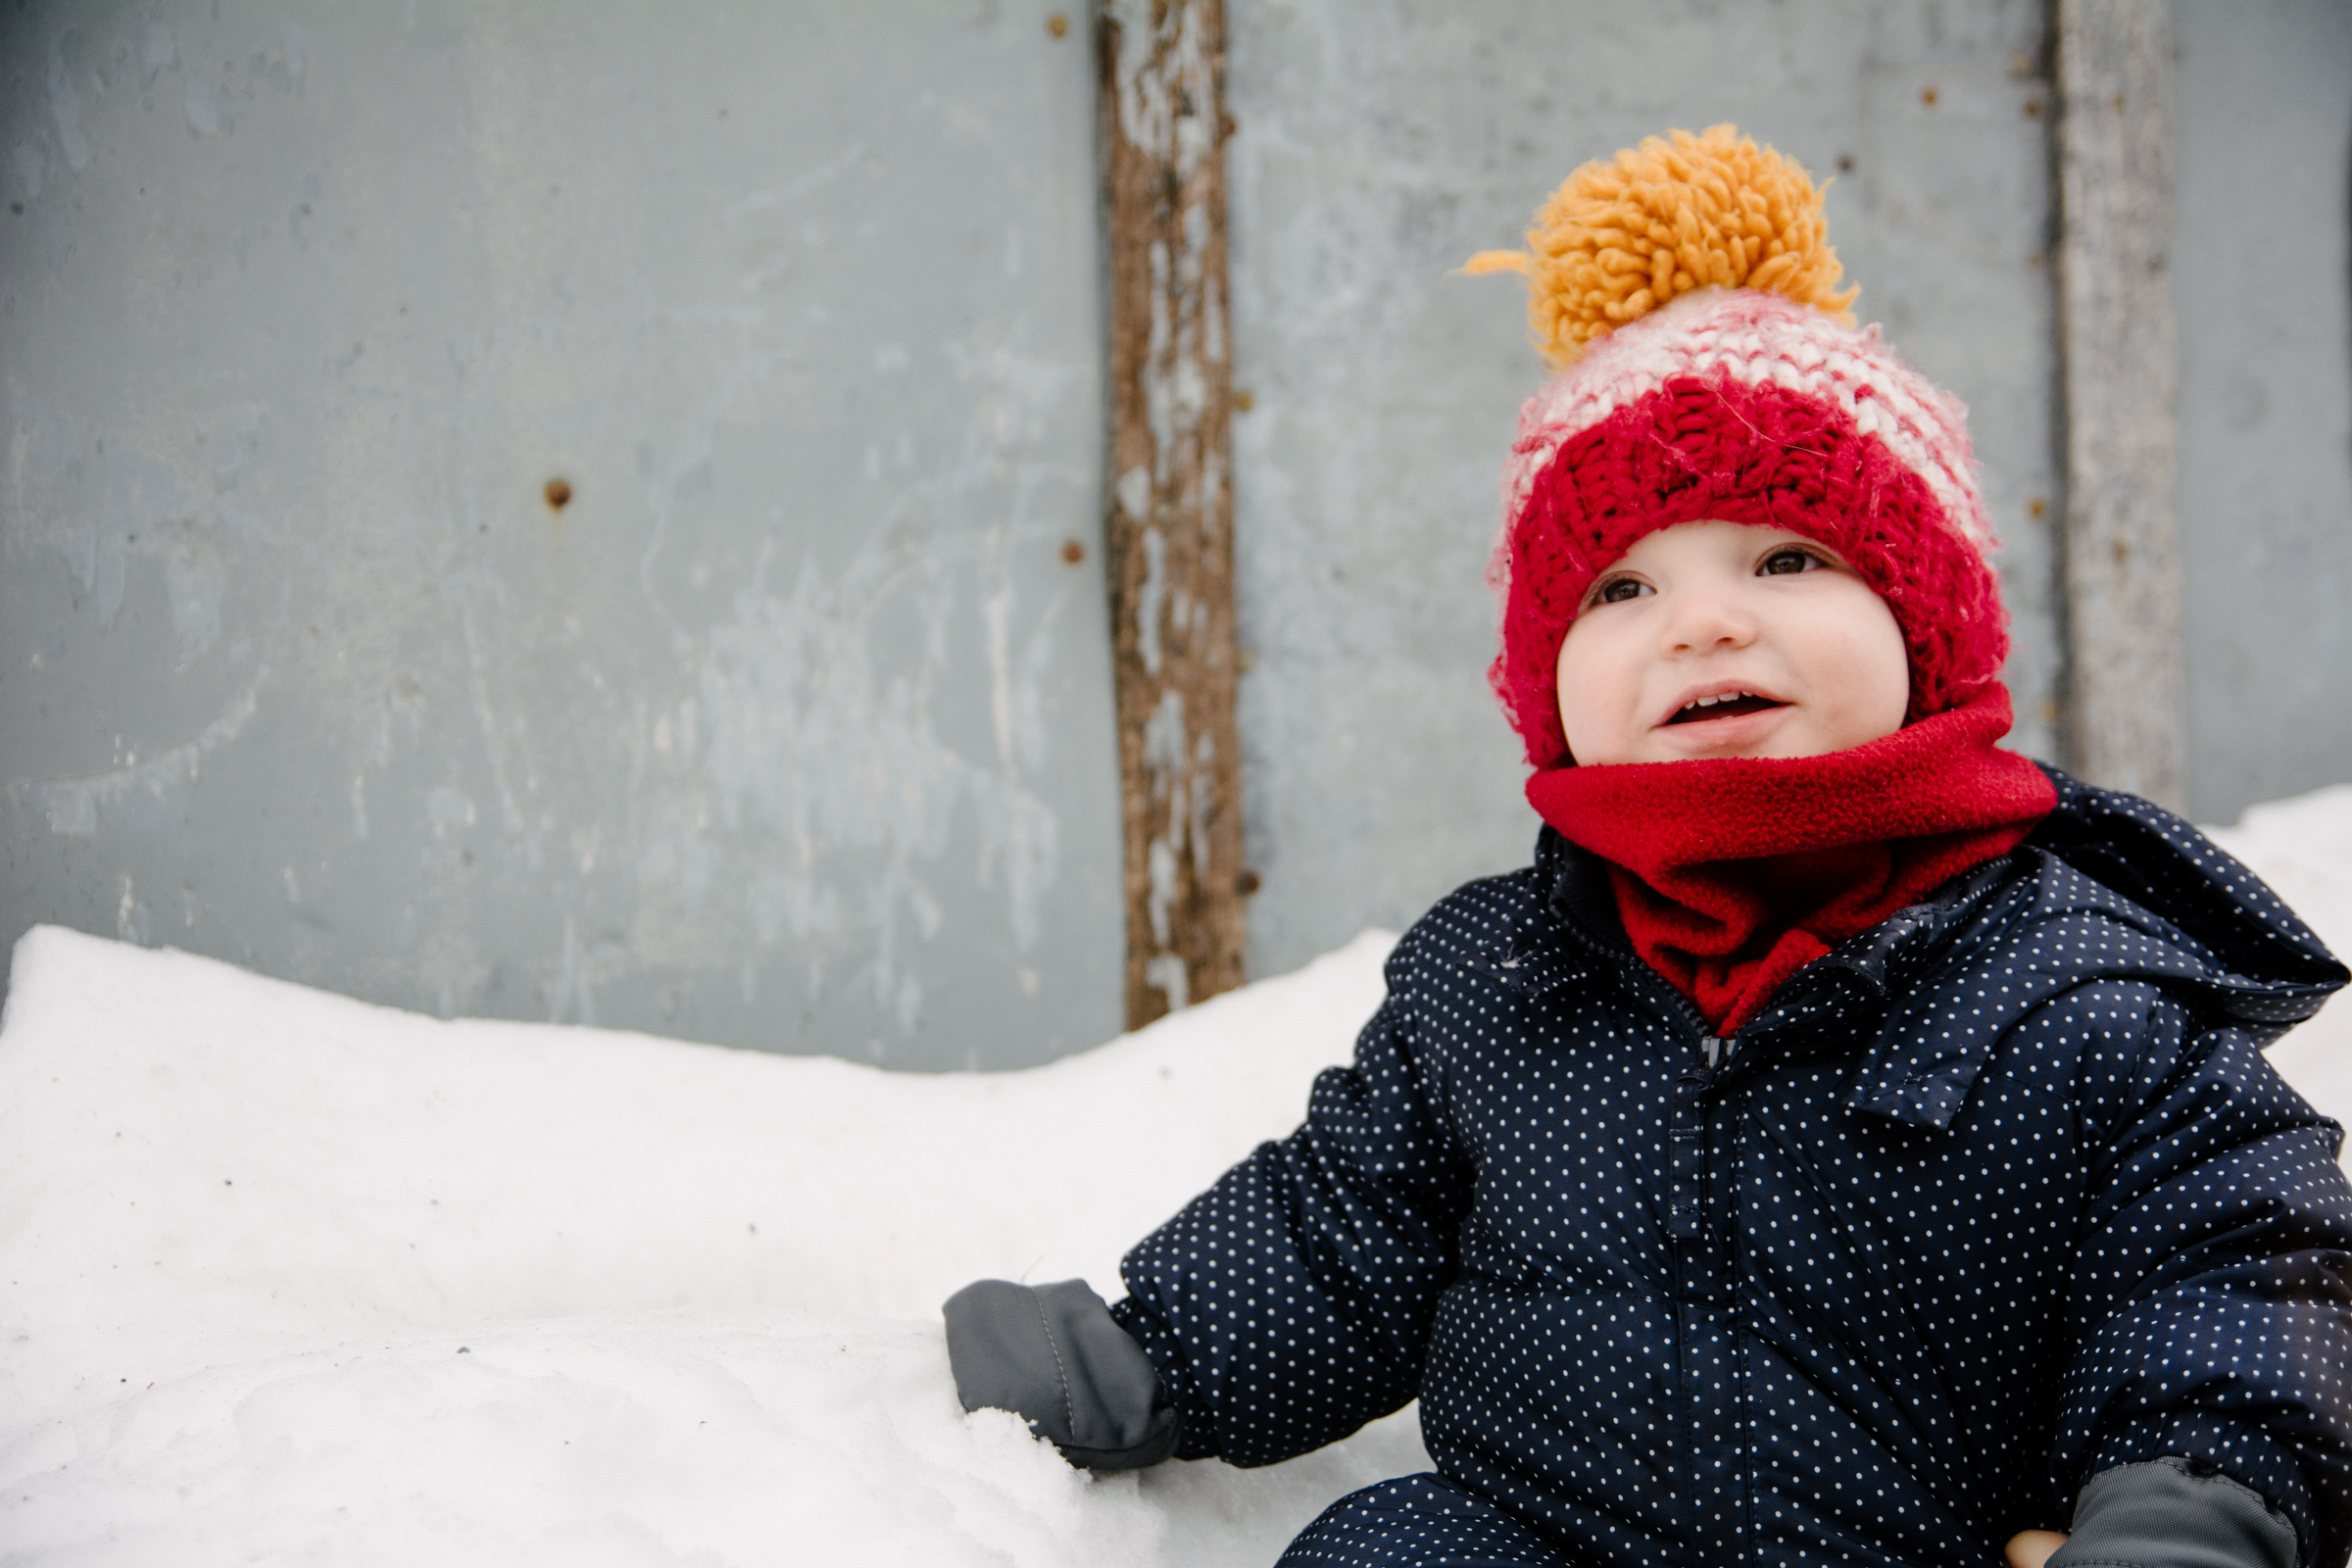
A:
(2053, 251)
(2126, 702)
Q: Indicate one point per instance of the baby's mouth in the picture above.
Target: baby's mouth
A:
(1730, 704)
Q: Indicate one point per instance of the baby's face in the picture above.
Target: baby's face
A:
(1717, 639)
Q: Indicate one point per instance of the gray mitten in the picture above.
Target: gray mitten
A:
(1054, 1355)
(2162, 1513)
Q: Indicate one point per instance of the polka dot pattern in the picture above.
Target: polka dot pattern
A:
(1419, 1519)
(1998, 1194)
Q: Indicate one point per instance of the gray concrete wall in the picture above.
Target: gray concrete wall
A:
(1381, 143)
(791, 730)
(2262, 278)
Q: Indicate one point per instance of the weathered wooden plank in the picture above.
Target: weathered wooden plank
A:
(1168, 511)
(2126, 710)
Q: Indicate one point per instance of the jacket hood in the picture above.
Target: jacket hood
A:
(2122, 889)
(2272, 969)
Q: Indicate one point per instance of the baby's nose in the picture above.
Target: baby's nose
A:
(1705, 622)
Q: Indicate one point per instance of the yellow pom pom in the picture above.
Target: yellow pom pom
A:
(1623, 236)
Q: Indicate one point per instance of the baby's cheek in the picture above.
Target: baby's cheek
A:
(1869, 666)
(1599, 691)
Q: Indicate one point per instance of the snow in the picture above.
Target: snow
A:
(288, 1277)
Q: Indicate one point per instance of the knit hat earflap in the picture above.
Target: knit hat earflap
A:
(1708, 369)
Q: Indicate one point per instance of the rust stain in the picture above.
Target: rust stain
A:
(1168, 515)
(558, 493)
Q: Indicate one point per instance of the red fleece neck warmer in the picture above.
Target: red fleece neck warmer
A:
(1732, 874)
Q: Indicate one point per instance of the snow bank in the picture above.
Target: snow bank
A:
(207, 1166)
(287, 1276)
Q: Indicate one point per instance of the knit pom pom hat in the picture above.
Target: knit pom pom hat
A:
(1707, 370)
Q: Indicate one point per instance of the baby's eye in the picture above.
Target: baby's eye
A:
(1783, 563)
(1619, 589)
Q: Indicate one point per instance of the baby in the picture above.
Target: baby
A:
(1848, 1140)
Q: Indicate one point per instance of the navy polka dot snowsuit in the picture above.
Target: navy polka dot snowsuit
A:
(1997, 1196)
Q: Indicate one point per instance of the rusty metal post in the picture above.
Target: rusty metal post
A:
(1168, 511)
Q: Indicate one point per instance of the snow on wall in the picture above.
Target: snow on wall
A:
(282, 1273)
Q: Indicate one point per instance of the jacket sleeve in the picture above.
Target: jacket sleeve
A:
(2211, 1297)
(1291, 1302)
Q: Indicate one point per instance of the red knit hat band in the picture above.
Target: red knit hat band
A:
(1738, 407)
